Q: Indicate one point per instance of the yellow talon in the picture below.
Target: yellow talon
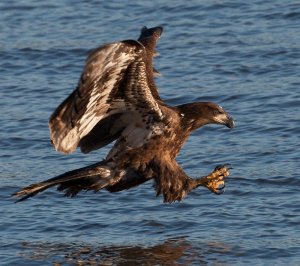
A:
(216, 180)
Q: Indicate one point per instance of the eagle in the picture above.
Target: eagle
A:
(116, 100)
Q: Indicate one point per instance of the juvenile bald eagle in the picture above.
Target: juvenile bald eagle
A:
(117, 100)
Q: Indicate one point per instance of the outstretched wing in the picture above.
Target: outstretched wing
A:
(113, 91)
(92, 100)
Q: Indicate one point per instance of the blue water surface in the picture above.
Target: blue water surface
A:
(243, 55)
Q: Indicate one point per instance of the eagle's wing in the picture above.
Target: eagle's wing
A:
(145, 115)
(112, 85)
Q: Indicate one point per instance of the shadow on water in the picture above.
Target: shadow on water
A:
(171, 252)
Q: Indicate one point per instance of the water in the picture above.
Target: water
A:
(242, 55)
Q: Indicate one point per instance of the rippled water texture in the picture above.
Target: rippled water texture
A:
(244, 55)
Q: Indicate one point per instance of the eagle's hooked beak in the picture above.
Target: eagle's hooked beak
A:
(229, 122)
(225, 119)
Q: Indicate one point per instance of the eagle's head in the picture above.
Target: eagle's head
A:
(198, 114)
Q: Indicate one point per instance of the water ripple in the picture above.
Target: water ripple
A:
(244, 56)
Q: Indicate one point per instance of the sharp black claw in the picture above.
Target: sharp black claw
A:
(220, 192)
(228, 166)
(222, 187)
(218, 167)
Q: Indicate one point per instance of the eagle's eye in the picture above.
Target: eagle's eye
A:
(217, 111)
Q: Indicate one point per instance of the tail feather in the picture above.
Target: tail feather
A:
(30, 191)
(93, 177)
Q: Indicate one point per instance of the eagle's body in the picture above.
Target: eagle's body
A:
(117, 100)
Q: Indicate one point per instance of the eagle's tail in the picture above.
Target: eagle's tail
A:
(93, 177)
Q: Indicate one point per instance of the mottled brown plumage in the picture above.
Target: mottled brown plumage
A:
(117, 99)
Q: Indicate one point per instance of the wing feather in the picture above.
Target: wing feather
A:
(138, 124)
(114, 84)
(92, 100)
(144, 118)
(138, 94)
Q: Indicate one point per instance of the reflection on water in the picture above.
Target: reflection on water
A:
(171, 252)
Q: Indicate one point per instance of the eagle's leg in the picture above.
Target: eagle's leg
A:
(215, 181)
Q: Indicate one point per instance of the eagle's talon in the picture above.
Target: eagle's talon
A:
(215, 181)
